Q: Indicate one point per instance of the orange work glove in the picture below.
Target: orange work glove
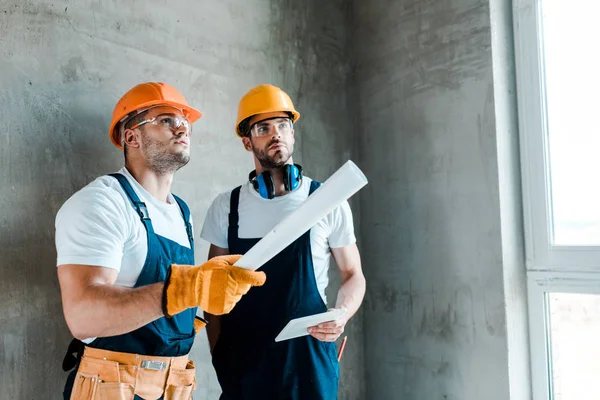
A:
(215, 286)
(199, 324)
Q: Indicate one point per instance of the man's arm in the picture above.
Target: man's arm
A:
(94, 307)
(350, 295)
(213, 329)
(352, 290)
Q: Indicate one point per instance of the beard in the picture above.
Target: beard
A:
(160, 159)
(277, 160)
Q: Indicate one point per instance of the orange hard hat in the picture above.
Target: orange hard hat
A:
(146, 95)
(264, 99)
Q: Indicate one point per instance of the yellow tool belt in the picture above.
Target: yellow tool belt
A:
(104, 374)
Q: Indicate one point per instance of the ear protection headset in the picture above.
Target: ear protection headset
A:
(265, 185)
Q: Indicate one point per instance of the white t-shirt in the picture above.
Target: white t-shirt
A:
(258, 216)
(99, 226)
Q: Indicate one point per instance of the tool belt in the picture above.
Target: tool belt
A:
(104, 374)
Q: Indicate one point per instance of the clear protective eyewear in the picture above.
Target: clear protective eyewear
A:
(264, 128)
(168, 121)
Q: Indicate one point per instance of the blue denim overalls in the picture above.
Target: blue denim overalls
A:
(248, 361)
(169, 337)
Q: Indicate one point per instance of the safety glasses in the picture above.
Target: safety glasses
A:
(168, 121)
(265, 128)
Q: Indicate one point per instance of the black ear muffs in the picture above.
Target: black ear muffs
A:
(265, 186)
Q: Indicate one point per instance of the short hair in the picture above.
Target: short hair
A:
(136, 119)
(244, 126)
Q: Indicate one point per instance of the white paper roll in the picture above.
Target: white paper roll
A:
(346, 181)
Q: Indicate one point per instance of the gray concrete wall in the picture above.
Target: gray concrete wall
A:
(420, 93)
(437, 140)
(64, 64)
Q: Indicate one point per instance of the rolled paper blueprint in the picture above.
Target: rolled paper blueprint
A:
(346, 181)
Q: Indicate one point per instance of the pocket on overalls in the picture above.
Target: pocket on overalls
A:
(332, 355)
(181, 383)
(84, 387)
(114, 391)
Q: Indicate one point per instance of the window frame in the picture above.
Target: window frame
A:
(550, 268)
(539, 285)
(541, 253)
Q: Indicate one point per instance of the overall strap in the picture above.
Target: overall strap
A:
(234, 217)
(139, 206)
(314, 185)
(186, 219)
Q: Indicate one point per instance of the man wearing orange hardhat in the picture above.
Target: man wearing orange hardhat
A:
(125, 248)
(248, 361)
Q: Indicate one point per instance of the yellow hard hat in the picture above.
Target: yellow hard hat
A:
(264, 99)
(147, 95)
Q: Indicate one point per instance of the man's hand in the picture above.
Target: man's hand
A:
(215, 286)
(329, 331)
(349, 296)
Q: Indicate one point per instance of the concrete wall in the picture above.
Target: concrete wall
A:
(441, 217)
(64, 64)
(420, 93)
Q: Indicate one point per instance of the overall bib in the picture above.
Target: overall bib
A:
(165, 337)
(248, 362)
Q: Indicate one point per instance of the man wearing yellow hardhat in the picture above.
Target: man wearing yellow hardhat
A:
(248, 362)
(125, 248)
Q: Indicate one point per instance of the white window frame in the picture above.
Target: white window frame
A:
(542, 255)
(539, 285)
(550, 268)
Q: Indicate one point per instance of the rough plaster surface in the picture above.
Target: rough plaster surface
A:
(435, 318)
(419, 84)
(63, 65)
